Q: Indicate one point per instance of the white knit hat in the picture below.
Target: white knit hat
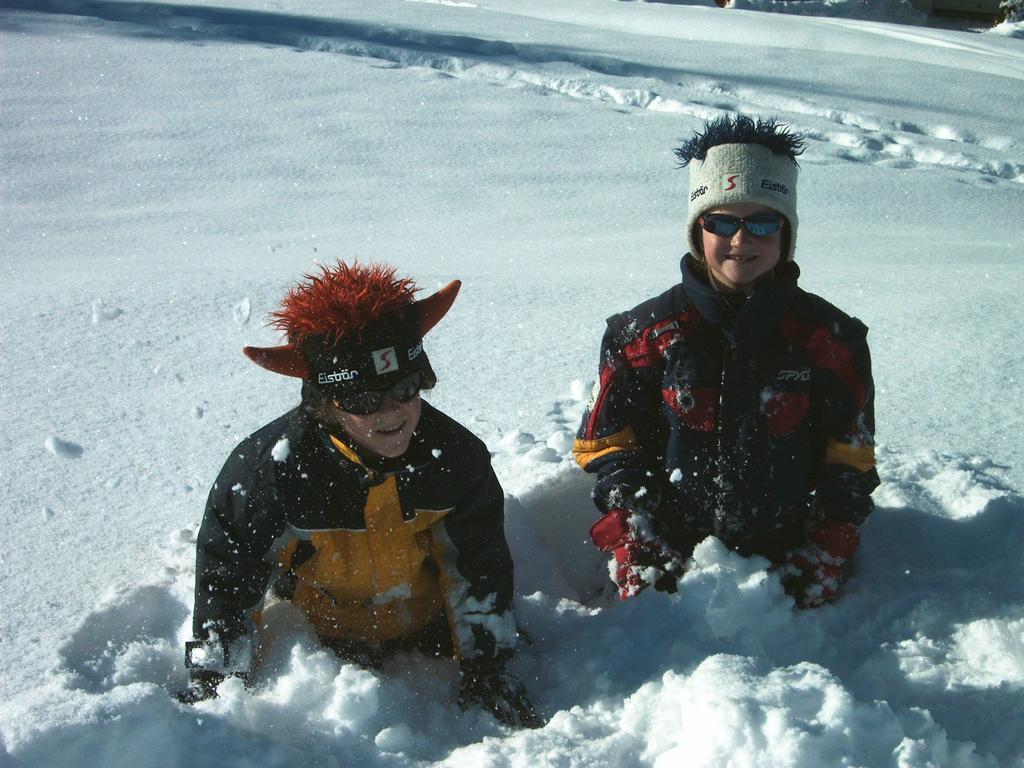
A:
(743, 173)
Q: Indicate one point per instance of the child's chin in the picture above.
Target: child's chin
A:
(393, 447)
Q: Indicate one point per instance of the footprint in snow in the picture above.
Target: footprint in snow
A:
(62, 449)
(101, 312)
(242, 311)
(519, 443)
(132, 636)
(543, 453)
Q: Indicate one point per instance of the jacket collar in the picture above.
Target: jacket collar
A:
(374, 470)
(744, 322)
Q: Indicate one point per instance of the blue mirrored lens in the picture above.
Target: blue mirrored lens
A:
(762, 227)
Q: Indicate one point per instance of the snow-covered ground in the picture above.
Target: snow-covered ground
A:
(167, 170)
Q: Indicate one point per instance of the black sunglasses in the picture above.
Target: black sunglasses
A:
(370, 401)
(724, 225)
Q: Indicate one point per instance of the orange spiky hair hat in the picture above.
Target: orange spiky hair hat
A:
(354, 327)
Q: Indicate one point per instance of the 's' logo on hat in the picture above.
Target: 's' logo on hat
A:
(729, 181)
(385, 360)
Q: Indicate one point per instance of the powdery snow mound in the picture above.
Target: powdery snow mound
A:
(982, 654)
(732, 710)
(1009, 29)
(946, 485)
(726, 670)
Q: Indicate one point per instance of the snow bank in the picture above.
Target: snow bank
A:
(894, 11)
(727, 670)
(1009, 29)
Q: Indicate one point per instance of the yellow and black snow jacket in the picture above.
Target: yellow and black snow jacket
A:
(369, 554)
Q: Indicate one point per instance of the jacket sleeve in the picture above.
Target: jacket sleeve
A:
(847, 475)
(476, 567)
(619, 426)
(241, 523)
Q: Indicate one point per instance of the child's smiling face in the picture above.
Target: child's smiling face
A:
(737, 262)
(388, 431)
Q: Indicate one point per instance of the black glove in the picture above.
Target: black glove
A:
(668, 581)
(209, 671)
(487, 685)
(202, 686)
(630, 489)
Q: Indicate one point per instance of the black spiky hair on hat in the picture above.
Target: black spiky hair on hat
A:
(741, 130)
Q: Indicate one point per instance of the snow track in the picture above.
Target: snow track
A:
(838, 135)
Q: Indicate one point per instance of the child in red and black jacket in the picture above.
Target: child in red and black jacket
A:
(735, 404)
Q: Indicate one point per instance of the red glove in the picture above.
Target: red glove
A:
(814, 572)
(639, 561)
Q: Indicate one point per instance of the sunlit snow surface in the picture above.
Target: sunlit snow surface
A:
(167, 170)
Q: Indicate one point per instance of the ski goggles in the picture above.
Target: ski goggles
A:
(758, 225)
(370, 401)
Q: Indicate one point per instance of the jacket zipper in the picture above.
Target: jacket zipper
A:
(719, 463)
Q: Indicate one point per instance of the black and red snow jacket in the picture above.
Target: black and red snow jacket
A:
(745, 418)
